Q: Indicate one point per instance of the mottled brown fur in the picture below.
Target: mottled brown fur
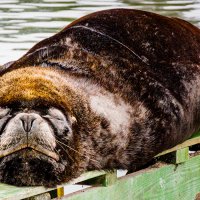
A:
(117, 68)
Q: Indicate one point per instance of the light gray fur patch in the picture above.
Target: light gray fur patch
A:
(112, 107)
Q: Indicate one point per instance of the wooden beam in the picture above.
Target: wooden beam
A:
(10, 192)
(110, 178)
(195, 139)
(181, 155)
(165, 182)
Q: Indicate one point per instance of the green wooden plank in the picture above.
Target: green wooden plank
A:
(86, 176)
(168, 182)
(9, 192)
(110, 178)
(176, 157)
(182, 155)
(195, 139)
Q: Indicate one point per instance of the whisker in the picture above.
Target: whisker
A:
(65, 151)
(58, 154)
(75, 150)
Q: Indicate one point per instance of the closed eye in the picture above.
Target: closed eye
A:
(50, 117)
(3, 122)
(4, 112)
(60, 119)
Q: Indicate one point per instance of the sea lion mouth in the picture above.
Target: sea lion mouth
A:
(39, 149)
(29, 167)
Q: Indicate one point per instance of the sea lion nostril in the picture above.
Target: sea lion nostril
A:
(27, 121)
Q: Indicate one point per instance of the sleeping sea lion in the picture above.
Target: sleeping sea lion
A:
(111, 90)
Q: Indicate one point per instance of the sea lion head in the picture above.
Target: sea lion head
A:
(38, 131)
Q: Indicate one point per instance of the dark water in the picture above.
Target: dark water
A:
(25, 22)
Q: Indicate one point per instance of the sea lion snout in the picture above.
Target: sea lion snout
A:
(28, 130)
(27, 121)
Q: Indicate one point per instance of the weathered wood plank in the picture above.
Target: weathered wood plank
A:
(195, 139)
(110, 178)
(167, 182)
(182, 155)
(176, 157)
(9, 192)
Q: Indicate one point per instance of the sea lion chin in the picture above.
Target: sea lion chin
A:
(110, 91)
(28, 167)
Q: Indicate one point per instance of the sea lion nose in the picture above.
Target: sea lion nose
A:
(27, 121)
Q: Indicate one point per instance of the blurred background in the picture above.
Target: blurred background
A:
(25, 22)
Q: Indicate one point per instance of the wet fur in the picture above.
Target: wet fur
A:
(131, 78)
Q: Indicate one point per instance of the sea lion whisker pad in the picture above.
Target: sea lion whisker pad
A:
(110, 91)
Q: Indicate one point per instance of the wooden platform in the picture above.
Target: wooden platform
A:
(177, 179)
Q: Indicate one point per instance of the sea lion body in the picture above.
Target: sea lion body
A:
(134, 80)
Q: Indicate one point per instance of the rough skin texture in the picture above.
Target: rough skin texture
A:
(130, 78)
